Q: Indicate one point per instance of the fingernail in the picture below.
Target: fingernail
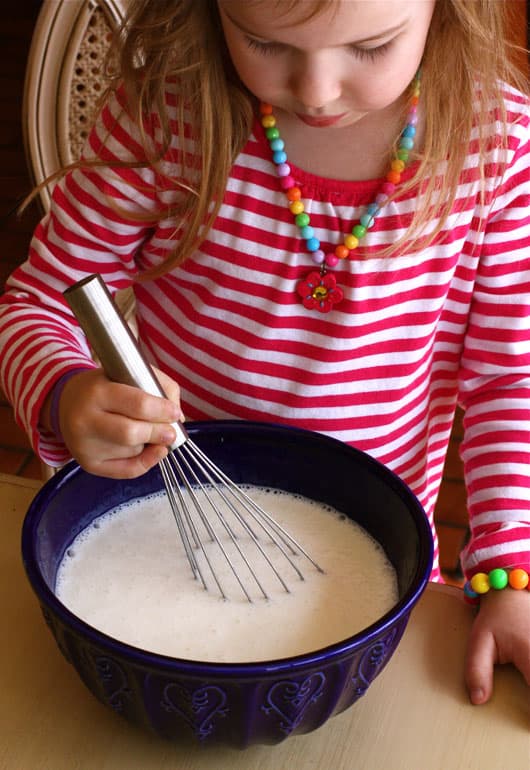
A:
(168, 437)
(477, 695)
(175, 413)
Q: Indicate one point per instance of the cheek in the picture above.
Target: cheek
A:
(260, 77)
(238, 54)
(371, 96)
(383, 85)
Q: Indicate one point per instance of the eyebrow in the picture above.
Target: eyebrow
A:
(371, 39)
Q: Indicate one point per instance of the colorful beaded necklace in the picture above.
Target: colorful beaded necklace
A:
(319, 290)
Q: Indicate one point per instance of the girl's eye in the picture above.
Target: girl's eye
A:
(263, 47)
(370, 54)
(271, 48)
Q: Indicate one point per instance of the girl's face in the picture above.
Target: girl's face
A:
(350, 59)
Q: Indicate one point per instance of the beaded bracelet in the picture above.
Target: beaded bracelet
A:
(497, 579)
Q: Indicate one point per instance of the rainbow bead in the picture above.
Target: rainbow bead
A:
(268, 121)
(302, 219)
(479, 583)
(470, 596)
(519, 579)
(498, 579)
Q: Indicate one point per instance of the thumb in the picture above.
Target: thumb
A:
(480, 660)
(170, 388)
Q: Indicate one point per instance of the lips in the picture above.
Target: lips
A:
(320, 122)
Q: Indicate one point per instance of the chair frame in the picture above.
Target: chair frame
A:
(48, 93)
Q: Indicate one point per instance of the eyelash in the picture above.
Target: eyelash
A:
(265, 48)
(370, 54)
(364, 54)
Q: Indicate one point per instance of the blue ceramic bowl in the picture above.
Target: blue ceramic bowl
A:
(235, 704)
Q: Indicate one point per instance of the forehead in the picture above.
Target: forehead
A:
(295, 10)
(349, 19)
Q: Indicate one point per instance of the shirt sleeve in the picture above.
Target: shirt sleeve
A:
(495, 380)
(97, 222)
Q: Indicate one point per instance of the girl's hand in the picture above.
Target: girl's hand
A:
(117, 430)
(500, 634)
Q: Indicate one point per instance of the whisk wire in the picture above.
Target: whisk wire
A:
(175, 486)
(208, 491)
(257, 513)
(238, 495)
(165, 470)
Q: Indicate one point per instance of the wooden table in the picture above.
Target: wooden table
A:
(416, 715)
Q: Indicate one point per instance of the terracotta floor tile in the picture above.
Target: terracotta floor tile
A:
(451, 507)
(32, 468)
(12, 460)
(452, 540)
(454, 467)
(453, 580)
(11, 435)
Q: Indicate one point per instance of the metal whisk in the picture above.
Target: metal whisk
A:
(207, 505)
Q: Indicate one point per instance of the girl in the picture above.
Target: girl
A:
(323, 209)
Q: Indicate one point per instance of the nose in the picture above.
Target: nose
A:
(315, 82)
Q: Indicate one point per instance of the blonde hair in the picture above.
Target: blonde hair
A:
(182, 40)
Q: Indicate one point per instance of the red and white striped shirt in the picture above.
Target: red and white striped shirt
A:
(414, 335)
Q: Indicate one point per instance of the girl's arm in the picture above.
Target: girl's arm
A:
(495, 393)
(494, 380)
(100, 220)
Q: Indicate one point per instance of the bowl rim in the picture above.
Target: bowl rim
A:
(148, 659)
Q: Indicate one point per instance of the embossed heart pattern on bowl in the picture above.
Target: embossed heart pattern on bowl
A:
(248, 703)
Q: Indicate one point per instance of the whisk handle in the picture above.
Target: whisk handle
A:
(112, 340)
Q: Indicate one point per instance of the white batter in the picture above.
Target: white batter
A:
(128, 576)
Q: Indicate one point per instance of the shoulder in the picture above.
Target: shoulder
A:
(159, 135)
(517, 132)
(115, 134)
(501, 135)
(510, 115)
(517, 105)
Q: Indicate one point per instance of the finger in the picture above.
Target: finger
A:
(171, 390)
(159, 433)
(128, 436)
(480, 661)
(522, 662)
(129, 467)
(137, 404)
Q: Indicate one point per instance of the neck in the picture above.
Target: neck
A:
(354, 153)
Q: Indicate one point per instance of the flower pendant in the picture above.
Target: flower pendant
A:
(319, 291)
